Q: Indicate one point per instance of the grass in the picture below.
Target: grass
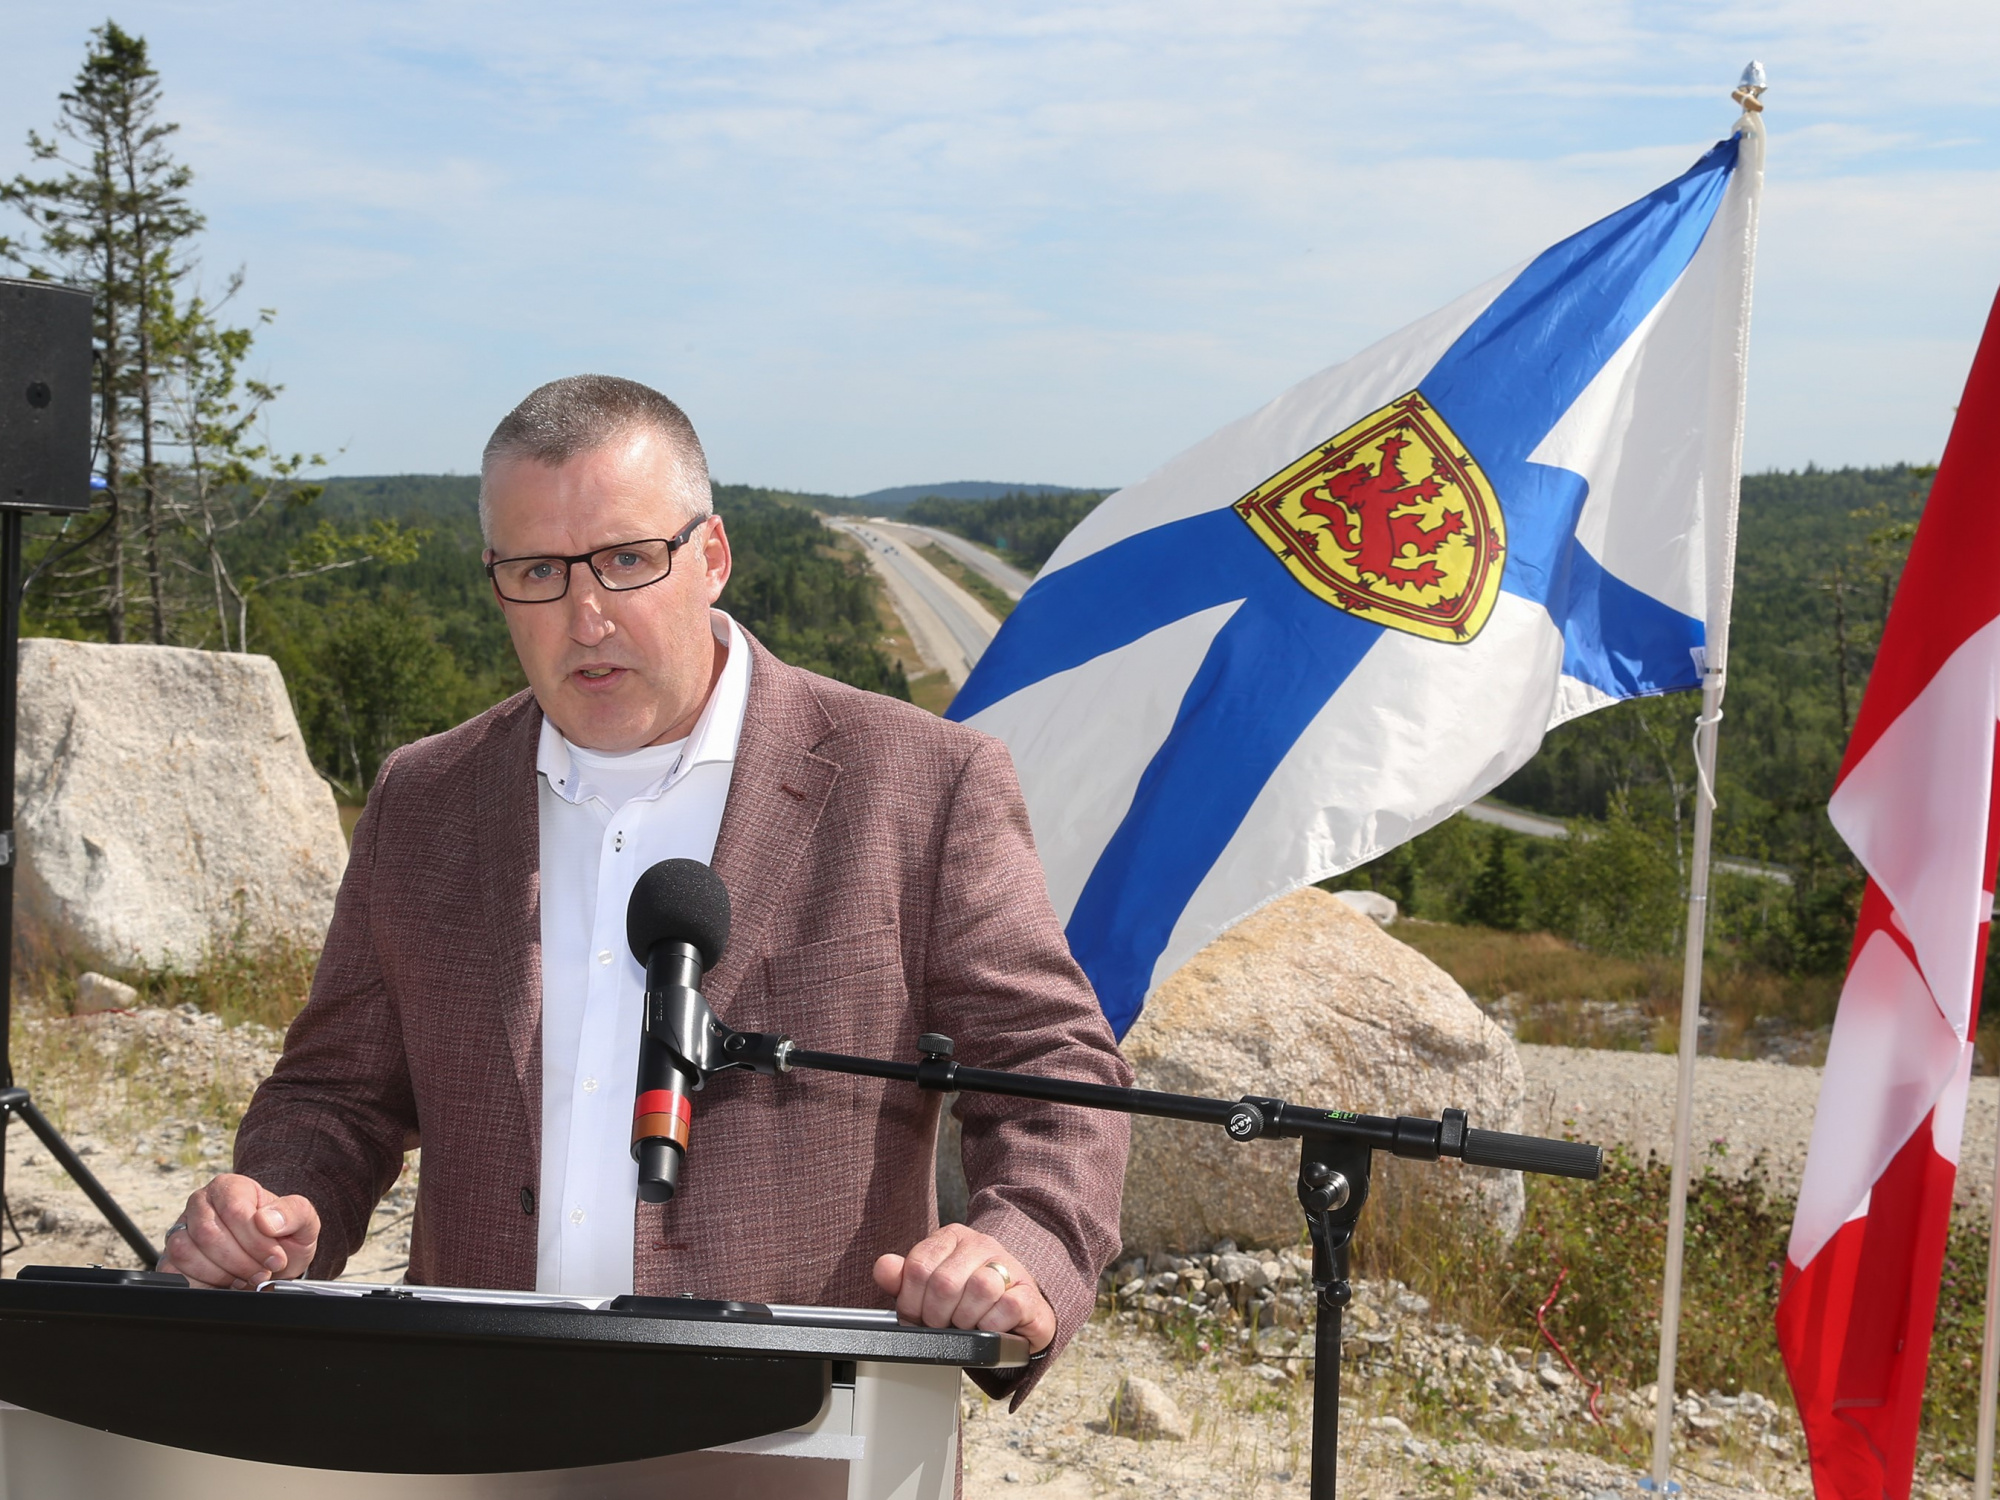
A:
(1610, 1237)
(1556, 992)
(109, 1083)
(999, 603)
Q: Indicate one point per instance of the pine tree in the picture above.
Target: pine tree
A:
(185, 466)
(115, 219)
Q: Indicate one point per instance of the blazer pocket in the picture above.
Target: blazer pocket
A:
(832, 960)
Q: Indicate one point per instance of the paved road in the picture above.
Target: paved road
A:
(950, 628)
(1517, 822)
(1010, 580)
(1539, 827)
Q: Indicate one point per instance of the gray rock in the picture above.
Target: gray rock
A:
(1371, 904)
(1310, 1002)
(1244, 1272)
(166, 806)
(100, 992)
(1141, 1409)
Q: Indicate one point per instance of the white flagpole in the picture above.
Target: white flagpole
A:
(1989, 1354)
(1748, 93)
(1697, 928)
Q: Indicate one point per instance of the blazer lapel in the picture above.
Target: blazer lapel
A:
(511, 877)
(777, 791)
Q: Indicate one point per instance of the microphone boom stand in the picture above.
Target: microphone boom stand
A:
(1336, 1149)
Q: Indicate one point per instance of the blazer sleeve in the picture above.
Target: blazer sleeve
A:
(333, 1120)
(1045, 1179)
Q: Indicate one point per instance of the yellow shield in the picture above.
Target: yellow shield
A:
(1391, 521)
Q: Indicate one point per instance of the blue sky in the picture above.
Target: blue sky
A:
(885, 243)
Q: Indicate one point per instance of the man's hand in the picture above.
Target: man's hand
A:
(235, 1234)
(960, 1278)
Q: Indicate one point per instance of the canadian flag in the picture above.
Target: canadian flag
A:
(1915, 802)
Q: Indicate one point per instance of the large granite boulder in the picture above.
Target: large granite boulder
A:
(165, 806)
(1311, 1002)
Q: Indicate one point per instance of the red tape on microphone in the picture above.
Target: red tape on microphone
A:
(662, 1114)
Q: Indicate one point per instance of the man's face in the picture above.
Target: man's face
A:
(614, 669)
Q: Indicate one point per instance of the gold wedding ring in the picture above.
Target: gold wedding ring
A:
(1006, 1276)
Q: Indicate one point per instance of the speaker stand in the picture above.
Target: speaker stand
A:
(14, 1100)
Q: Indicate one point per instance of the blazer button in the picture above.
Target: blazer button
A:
(528, 1201)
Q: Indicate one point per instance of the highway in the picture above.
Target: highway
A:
(1010, 580)
(949, 627)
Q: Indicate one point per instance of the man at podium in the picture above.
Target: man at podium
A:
(477, 997)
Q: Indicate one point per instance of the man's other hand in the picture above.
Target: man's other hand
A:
(235, 1234)
(960, 1278)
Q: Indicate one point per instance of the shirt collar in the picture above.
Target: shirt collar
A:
(713, 739)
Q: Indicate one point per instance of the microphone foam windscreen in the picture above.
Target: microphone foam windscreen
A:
(679, 901)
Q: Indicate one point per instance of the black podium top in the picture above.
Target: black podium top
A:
(430, 1381)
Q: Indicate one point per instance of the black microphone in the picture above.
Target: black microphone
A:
(677, 923)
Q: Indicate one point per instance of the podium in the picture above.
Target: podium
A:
(135, 1385)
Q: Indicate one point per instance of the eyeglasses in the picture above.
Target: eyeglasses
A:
(620, 568)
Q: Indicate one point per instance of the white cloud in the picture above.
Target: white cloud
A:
(888, 241)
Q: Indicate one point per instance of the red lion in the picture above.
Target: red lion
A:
(1382, 526)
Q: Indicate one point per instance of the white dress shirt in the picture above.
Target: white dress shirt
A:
(604, 820)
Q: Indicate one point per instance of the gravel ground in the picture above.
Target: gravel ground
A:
(1750, 1108)
(1428, 1410)
(145, 1134)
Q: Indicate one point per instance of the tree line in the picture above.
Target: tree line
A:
(1022, 526)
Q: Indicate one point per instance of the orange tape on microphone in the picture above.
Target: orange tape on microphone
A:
(662, 1114)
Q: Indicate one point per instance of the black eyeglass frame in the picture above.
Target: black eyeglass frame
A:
(674, 544)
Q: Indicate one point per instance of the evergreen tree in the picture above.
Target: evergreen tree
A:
(1496, 898)
(184, 464)
(114, 218)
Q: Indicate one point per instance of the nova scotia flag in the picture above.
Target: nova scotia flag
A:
(1335, 622)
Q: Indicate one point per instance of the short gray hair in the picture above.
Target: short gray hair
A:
(582, 413)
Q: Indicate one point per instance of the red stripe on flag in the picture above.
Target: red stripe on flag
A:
(1855, 1329)
(1951, 559)
(1854, 1323)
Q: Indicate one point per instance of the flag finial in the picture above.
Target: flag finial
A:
(1749, 90)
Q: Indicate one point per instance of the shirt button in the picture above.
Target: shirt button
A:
(618, 843)
(604, 956)
(576, 1216)
(590, 1085)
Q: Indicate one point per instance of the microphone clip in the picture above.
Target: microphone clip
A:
(680, 1019)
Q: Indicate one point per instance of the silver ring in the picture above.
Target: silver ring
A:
(180, 1228)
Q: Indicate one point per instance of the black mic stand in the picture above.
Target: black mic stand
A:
(1336, 1151)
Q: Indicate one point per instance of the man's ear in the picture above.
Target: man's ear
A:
(716, 557)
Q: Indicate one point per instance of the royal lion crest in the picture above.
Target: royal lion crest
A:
(1391, 521)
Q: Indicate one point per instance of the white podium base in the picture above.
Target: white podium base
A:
(892, 1435)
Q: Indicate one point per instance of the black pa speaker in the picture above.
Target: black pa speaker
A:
(44, 396)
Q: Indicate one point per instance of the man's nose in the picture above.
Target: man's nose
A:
(588, 623)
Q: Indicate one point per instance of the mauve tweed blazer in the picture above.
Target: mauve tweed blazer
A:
(884, 884)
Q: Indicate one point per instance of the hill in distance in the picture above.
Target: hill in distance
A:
(889, 501)
(428, 491)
